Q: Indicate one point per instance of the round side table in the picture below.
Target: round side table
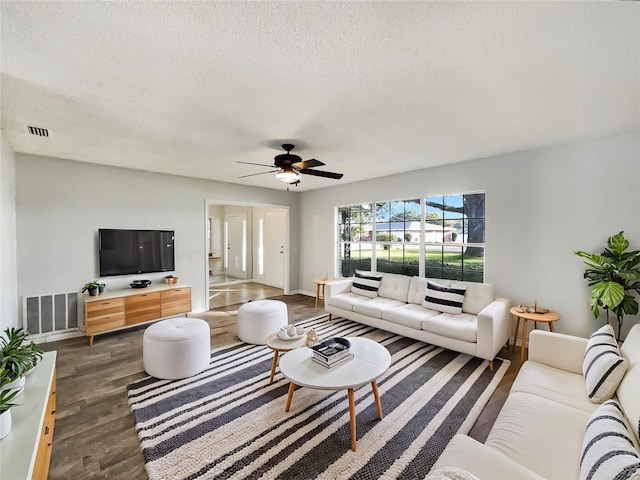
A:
(548, 317)
(320, 284)
(277, 345)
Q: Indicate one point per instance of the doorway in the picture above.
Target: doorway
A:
(246, 243)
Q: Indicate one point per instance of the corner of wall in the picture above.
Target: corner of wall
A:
(8, 264)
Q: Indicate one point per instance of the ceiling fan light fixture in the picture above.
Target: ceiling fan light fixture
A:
(288, 175)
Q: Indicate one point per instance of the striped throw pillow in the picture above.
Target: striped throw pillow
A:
(444, 299)
(603, 366)
(366, 283)
(607, 449)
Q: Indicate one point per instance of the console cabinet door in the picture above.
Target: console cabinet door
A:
(103, 315)
(176, 301)
(43, 455)
(142, 307)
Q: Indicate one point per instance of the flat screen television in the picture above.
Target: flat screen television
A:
(126, 252)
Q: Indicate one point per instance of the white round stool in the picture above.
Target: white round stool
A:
(257, 320)
(176, 348)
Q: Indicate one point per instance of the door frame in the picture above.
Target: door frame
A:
(287, 230)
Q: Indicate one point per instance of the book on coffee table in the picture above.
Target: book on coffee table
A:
(331, 352)
(333, 363)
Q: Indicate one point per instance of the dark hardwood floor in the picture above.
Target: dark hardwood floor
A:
(94, 436)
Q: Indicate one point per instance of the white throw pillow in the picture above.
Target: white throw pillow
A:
(444, 299)
(603, 366)
(607, 449)
(366, 283)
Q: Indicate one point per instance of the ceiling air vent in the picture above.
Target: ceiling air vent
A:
(37, 131)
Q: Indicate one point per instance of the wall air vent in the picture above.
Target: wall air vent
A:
(37, 131)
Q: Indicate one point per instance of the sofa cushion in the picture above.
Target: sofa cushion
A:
(417, 290)
(553, 384)
(409, 315)
(608, 450)
(394, 286)
(603, 366)
(366, 283)
(460, 327)
(522, 433)
(375, 306)
(444, 299)
(476, 297)
(346, 301)
(483, 461)
(629, 387)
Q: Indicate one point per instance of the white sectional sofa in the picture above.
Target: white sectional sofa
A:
(541, 431)
(482, 329)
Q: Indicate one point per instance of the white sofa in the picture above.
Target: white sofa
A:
(481, 330)
(540, 430)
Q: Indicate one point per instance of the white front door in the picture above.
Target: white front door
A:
(274, 248)
(235, 260)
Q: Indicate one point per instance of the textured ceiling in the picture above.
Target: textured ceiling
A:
(369, 88)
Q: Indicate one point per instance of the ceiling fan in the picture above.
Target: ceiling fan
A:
(289, 167)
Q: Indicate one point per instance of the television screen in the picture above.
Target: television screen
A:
(125, 252)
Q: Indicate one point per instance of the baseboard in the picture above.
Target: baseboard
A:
(54, 337)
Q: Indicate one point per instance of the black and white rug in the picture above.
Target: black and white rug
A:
(227, 422)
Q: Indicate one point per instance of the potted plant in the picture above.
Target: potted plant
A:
(33, 354)
(92, 287)
(168, 279)
(613, 275)
(13, 358)
(6, 401)
(101, 287)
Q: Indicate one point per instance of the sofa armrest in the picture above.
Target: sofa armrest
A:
(336, 287)
(557, 350)
(494, 328)
(484, 462)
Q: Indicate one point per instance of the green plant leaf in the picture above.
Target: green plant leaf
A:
(629, 275)
(628, 306)
(617, 243)
(609, 293)
(593, 258)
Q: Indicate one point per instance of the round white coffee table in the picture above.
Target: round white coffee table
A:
(370, 361)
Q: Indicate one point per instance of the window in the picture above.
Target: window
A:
(355, 230)
(398, 237)
(438, 237)
(454, 237)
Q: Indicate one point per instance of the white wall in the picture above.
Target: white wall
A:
(8, 266)
(541, 205)
(61, 204)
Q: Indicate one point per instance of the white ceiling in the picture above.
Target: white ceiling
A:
(369, 88)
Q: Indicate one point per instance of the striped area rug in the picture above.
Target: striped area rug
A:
(227, 422)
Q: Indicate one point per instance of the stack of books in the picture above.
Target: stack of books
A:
(332, 352)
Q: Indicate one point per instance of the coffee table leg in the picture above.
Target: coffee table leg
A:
(374, 387)
(292, 387)
(273, 366)
(352, 418)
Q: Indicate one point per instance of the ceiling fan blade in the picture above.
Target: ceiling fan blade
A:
(259, 164)
(308, 164)
(261, 173)
(321, 173)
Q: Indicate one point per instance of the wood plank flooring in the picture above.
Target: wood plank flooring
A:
(94, 436)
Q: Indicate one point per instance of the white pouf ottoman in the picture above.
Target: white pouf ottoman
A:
(176, 348)
(257, 320)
